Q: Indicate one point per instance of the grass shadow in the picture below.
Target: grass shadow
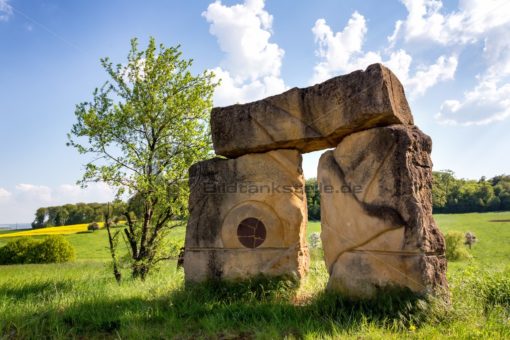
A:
(39, 289)
(243, 309)
(255, 304)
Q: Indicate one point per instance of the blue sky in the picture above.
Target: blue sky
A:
(452, 57)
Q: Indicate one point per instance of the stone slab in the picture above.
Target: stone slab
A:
(312, 118)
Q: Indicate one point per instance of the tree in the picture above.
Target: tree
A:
(40, 216)
(145, 126)
(442, 187)
(76, 213)
(313, 199)
(62, 216)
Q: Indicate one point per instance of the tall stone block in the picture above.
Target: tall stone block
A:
(312, 118)
(376, 213)
(247, 217)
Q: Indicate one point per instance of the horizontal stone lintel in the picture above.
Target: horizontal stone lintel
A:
(312, 118)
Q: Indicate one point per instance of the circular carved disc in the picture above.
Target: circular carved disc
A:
(251, 232)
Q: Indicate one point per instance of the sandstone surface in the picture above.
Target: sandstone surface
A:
(312, 118)
(247, 217)
(376, 213)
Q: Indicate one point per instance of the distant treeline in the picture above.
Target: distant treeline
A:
(88, 212)
(452, 195)
(76, 214)
(449, 194)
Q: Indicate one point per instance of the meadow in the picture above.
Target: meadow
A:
(62, 230)
(82, 300)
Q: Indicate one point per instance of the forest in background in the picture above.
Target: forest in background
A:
(449, 194)
(78, 213)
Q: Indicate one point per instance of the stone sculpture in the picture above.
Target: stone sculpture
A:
(377, 224)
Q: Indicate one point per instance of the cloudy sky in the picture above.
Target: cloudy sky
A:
(453, 58)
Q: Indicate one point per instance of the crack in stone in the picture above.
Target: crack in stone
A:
(383, 212)
(289, 172)
(330, 269)
(396, 252)
(387, 212)
(288, 251)
(379, 168)
(304, 124)
(263, 128)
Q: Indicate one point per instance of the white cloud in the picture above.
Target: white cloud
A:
(95, 192)
(487, 103)
(21, 204)
(497, 52)
(251, 68)
(4, 194)
(40, 193)
(233, 92)
(342, 52)
(5, 10)
(400, 63)
(472, 20)
(427, 76)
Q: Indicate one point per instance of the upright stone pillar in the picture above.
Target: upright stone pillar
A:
(376, 213)
(247, 218)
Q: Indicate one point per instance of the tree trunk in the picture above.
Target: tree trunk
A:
(140, 270)
(111, 241)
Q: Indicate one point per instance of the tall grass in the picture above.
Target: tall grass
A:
(82, 300)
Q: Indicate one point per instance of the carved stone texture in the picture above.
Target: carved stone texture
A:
(312, 118)
(247, 217)
(376, 213)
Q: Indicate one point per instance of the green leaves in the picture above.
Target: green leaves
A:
(145, 126)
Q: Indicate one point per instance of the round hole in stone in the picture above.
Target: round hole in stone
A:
(251, 232)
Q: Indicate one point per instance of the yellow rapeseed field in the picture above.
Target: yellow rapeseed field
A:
(67, 229)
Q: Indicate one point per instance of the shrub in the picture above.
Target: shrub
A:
(93, 226)
(455, 249)
(52, 249)
(18, 251)
(495, 289)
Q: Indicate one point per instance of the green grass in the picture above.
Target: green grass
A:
(81, 299)
(493, 246)
(93, 246)
(313, 226)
